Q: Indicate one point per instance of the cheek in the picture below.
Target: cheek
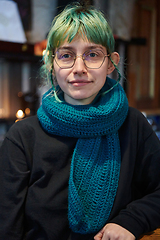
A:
(58, 73)
(56, 70)
(102, 73)
(101, 76)
(61, 76)
(105, 69)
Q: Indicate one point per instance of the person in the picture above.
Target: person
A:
(87, 166)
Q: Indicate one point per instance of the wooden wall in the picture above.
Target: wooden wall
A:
(144, 56)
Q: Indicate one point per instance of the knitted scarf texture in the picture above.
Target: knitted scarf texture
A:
(96, 160)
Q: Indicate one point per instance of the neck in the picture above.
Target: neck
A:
(85, 101)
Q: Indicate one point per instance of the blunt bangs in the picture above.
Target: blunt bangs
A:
(86, 22)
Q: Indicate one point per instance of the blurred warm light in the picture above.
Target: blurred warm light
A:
(40, 47)
(43, 53)
(20, 114)
(27, 111)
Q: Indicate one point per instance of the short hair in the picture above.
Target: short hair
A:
(78, 19)
(85, 21)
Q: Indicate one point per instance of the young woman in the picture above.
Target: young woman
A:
(87, 166)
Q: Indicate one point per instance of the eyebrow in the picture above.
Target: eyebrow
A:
(86, 48)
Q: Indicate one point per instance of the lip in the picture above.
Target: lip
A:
(79, 83)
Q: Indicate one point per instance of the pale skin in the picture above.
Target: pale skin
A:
(80, 86)
(112, 231)
(79, 83)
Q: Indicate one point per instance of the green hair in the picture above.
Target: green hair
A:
(85, 21)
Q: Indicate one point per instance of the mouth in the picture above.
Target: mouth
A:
(79, 83)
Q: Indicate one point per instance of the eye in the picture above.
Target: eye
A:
(65, 55)
(92, 54)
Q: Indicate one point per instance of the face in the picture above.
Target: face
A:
(79, 83)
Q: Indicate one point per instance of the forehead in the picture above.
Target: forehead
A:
(80, 43)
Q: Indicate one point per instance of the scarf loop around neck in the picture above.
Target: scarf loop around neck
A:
(96, 160)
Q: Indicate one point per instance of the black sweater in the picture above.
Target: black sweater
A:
(34, 173)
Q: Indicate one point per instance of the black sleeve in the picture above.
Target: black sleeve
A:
(143, 213)
(14, 177)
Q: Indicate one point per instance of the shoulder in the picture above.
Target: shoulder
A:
(24, 125)
(24, 130)
(136, 114)
(136, 119)
(136, 126)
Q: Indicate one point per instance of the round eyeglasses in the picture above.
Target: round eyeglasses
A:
(94, 58)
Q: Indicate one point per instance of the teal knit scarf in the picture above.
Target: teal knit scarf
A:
(96, 160)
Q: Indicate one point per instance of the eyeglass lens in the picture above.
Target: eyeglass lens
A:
(92, 58)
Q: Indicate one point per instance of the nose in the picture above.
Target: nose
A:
(79, 66)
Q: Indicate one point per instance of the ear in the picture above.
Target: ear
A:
(115, 58)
